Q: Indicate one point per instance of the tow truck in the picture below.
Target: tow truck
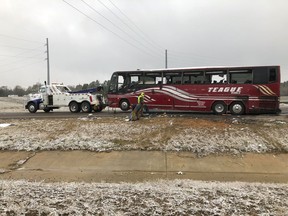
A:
(57, 95)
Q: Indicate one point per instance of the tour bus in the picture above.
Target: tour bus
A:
(235, 90)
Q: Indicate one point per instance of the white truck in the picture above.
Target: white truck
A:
(57, 95)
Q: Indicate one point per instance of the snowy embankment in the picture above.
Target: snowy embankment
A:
(178, 197)
(164, 133)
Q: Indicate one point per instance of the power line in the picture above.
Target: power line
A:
(116, 26)
(126, 24)
(20, 55)
(7, 61)
(20, 67)
(142, 32)
(16, 38)
(21, 60)
(15, 47)
(17, 56)
(106, 28)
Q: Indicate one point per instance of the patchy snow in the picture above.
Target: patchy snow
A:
(202, 137)
(4, 125)
(12, 104)
(178, 197)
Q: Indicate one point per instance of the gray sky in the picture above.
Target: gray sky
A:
(110, 35)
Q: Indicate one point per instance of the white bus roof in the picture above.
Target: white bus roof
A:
(199, 68)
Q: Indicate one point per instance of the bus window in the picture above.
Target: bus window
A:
(264, 75)
(134, 80)
(240, 76)
(216, 77)
(272, 75)
(113, 83)
(120, 81)
(153, 78)
(260, 75)
(195, 77)
(172, 78)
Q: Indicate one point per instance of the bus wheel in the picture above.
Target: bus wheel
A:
(74, 107)
(237, 108)
(124, 105)
(219, 108)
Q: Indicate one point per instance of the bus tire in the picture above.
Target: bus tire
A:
(124, 105)
(237, 108)
(86, 107)
(32, 107)
(74, 107)
(219, 108)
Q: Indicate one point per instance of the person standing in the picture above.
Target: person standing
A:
(137, 110)
(141, 105)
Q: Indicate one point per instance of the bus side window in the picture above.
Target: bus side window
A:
(153, 78)
(241, 77)
(272, 75)
(168, 80)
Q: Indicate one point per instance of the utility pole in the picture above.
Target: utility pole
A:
(48, 66)
(166, 59)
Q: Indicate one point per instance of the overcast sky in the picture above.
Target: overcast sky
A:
(90, 39)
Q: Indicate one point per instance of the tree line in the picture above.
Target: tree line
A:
(20, 91)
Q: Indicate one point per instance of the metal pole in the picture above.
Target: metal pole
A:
(166, 60)
(48, 66)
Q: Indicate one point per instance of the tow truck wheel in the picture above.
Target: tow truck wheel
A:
(86, 107)
(219, 108)
(74, 107)
(32, 108)
(124, 105)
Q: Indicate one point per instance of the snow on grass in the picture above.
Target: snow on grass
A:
(202, 137)
(177, 197)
